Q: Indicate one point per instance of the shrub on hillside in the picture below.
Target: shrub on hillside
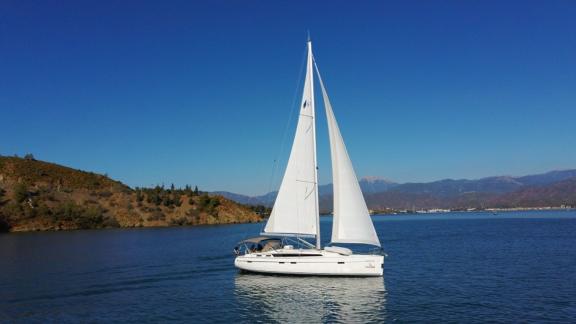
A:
(4, 223)
(2, 194)
(13, 210)
(105, 194)
(181, 221)
(139, 195)
(90, 217)
(82, 217)
(176, 200)
(208, 204)
(20, 192)
(156, 215)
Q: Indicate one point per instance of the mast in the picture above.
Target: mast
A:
(317, 211)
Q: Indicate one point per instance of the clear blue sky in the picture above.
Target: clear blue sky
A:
(199, 93)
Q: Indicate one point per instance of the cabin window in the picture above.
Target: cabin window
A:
(340, 262)
(285, 255)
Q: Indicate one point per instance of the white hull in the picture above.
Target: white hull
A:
(312, 263)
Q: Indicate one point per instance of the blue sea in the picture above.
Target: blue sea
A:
(455, 267)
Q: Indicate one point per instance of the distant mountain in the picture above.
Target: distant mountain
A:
(447, 193)
(547, 178)
(503, 191)
(376, 184)
(411, 201)
(265, 200)
(555, 194)
(450, 187)
(367, 184)
(501, 184)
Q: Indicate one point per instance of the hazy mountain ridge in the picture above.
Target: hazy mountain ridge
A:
(368, 185)
(558, 193)
(496, 191)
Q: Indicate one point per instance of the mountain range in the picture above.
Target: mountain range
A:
(554, 188)
(369, 185)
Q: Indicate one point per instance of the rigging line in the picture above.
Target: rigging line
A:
(290, 117)
(318, 73)
(311, 192)
(284, 135)
(306, 181)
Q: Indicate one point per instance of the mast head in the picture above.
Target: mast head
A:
(309, 40)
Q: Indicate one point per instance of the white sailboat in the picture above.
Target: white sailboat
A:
(296, 214)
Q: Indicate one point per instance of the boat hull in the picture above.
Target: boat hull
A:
(325, 264)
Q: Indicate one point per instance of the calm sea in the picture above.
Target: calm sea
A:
(472, 267)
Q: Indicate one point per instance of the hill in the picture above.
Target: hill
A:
(37, 195)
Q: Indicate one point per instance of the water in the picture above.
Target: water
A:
(511, 267)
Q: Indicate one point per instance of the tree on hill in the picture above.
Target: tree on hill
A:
(188, 191)
(139, 195)
(209, 204)
(154, 195)
(4, 221)
(261, 209)
(176, 199)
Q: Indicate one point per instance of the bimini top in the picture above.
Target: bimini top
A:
(258, 239)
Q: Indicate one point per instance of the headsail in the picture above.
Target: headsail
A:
(352, 222)
(296, 208)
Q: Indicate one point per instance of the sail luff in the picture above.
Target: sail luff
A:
(351, 221)
(317, 208)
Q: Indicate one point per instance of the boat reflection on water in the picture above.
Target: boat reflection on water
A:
(266, 298)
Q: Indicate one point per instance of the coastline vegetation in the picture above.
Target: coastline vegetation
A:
(37, 195)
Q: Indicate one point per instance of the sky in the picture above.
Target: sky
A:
(203, 92)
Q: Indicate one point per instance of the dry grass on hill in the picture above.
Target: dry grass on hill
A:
(37, 195)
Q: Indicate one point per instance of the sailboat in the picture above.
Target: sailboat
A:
(282, 247)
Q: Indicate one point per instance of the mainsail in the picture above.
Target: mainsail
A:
(296, 208)
(351, 223)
